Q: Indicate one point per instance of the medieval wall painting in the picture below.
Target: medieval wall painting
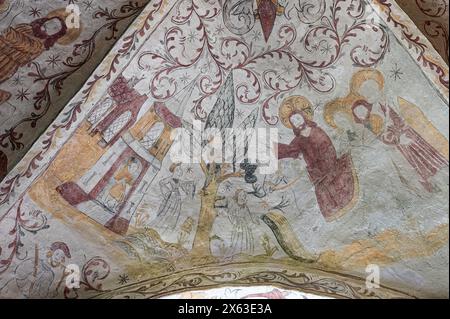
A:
(48, 50)
(362, 160)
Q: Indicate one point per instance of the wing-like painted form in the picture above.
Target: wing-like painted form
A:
(221, 116)
(416, 119)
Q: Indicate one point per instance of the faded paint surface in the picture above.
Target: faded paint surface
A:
(363, 161)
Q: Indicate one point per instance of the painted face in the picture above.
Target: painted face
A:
(297, 120)
(58, 258)
(133, 167)
(178, 172)
(52, 26)
(242, 198)
(371, 92)
(111, 204)
(361, 112)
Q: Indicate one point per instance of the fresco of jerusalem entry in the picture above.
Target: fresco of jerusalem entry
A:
(361, 156)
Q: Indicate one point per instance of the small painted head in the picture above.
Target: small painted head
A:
(361, 104)
(297, 120)
(58, 253)
(368, 85)
(361, 111)
(295, 112)
(52, 26)
(134, 166)
(371, 91)
(240, 197)
(61, 26)
(51, 30)
(176, 170)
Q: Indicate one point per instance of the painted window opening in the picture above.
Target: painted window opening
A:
(152, 135)
(100, 110)
(116, 126)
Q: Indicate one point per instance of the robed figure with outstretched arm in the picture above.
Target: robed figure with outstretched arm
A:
(334, 179)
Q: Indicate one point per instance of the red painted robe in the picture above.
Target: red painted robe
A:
(422, 156)
(332, 177)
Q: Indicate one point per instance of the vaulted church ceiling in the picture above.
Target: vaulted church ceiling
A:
(167, 146)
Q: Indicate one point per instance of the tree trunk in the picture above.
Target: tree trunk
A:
(201, 246)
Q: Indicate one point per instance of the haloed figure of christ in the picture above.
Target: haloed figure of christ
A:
(333, 178)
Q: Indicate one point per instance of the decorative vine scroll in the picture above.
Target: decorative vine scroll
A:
(329, 37)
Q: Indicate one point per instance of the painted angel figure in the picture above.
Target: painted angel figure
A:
(169, 212)
(407, 130)
(242, 221)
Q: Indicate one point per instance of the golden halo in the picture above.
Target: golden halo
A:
(295, 104)
(361, 77)
(72, 33)
(3, 5)
(344, 105)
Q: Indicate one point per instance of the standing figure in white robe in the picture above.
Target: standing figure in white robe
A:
(169, 212)
(243, 223)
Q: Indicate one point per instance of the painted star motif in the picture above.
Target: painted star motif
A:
(228, 186)
(287, 69)
(220, 29)
(326, 49)
(88, 5)
(22, 94)
(53, 60)
(185, 78)
(316, 47)
(17, 80)
(396, 73)
(192, 36)
(256, 35)
(35, 12)
(123, 279)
